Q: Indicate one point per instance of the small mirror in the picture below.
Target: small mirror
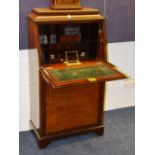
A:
(71, 58)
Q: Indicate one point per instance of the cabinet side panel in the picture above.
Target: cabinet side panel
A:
(34, 90)
(72, 107)
(32, 36)
(34, 107)
(105, 42)
(102, 51)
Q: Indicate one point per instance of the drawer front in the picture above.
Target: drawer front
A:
(72, 107)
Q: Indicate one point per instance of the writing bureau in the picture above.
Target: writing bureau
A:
(73, 70)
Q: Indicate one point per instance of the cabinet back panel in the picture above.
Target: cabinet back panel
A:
(56, 39)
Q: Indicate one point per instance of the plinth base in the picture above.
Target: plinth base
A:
(43, 141)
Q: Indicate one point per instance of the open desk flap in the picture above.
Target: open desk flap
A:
(60, 76)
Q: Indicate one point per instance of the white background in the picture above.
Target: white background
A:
(145, 77)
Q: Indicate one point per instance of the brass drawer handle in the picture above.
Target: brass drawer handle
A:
(92, 79)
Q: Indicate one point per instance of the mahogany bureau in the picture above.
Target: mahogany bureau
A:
(73, 69)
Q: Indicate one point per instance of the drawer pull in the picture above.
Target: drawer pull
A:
(92, 79)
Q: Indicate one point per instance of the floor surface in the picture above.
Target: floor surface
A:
(118, 139)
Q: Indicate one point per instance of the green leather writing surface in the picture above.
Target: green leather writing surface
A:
(97, 71)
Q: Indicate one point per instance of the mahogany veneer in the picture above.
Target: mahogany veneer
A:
(75, 106)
